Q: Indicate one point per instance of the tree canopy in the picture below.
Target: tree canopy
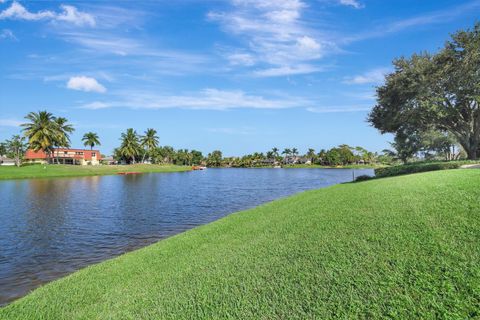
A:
(439, 91)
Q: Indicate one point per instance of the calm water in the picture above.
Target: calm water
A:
(52, 227)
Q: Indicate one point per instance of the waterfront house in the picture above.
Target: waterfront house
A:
(4, 161)
(64, 156)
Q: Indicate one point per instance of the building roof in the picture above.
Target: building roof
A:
(60, 152)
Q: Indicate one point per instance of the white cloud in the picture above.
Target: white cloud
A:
(352, 3)
(275, 35)
(244, 59)
(207, 99)
(7, 34)
(10, 123)
(372, 76)
(287, 70)
(72, 15)
(69, 14)
(87, 84)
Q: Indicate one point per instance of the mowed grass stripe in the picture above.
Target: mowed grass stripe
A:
(402, 247)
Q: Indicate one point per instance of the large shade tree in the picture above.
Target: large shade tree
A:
(439, 92)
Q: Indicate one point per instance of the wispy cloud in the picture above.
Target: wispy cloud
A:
(68, 14)
(7, 34)
(373, 76)
(10, 123)
(86, 84)
(435, 17)
(287, 70)
(276, 38)
(207, 99)
(352, 3)
(339, 109)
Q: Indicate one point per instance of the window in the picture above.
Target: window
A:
(79, 153)
(94, 154)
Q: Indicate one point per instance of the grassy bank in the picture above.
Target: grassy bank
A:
(50, 171)
(404, 247)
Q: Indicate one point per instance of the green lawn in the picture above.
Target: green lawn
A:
(57, 170)
(403, 247)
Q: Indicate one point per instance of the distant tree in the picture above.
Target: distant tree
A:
(197, 157)
(311, 155)
(270, 155)
(3, 148)
(149, 141)
(275, 152)
(214, 159)
(333, 157)
(91, 139)
(294, 152)
(130, 148)
(287, 152)
(440, 91)
(16, 148)
(346, 154)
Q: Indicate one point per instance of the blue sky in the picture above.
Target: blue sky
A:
(235, 75)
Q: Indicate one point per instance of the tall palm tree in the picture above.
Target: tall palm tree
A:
(91, 139)
(130, 147)
(41, 131)
(311, 155)
(287, 153)
(294, 152)
(275, 151)
(62, 139)
(149, 141)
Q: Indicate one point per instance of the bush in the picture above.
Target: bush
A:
(418, 167)
(363, 177)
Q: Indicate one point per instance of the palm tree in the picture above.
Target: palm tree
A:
(149, 141)
(62, 138)
(286, 152)
(275, 151)
(311, 154)
(130, 147)
(91, 139)
(41, 131)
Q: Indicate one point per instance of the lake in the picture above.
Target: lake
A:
(52, 227)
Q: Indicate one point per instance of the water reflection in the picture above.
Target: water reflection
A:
(52, 227)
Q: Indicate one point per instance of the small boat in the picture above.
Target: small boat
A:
(277, 167)
(125, 173)
(198, 168)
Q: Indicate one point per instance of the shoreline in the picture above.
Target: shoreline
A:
(66, 171)
(235, 253)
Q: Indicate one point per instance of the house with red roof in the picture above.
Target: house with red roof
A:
(64, 156)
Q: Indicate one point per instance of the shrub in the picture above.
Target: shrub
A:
(363, 177)
(418, 167)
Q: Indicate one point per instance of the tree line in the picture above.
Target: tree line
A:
(431, 102)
